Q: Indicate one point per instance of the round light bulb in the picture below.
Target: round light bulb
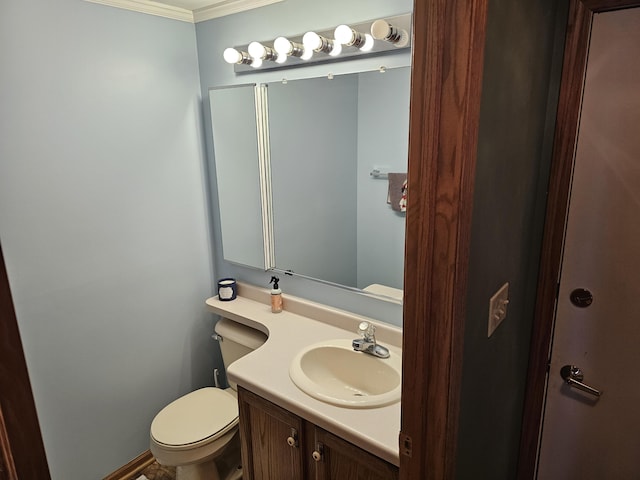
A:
(344, 34)
(282, 45)
(383, 30)
(311, 41)
(281, 58)
(368, 43)
(380, 29)
(231, 55)
(306, 54)
(257, 50)
(256, 63)
(336, 50)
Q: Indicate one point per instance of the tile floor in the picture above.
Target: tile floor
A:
(155, 471)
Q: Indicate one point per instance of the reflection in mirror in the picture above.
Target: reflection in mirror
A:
(331, 218)
(313, 137)
(234, 122)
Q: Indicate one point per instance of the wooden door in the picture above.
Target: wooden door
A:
(7, 467)
(336, 459)
(271, 440)
(586, 434)
(22, 451)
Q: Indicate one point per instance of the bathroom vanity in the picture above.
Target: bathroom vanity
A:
(278, 444)
(287, 433)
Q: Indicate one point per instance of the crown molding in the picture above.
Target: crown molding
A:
(150, 7)
(218, 8)
(227, 7)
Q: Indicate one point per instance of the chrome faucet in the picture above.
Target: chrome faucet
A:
(367, 342)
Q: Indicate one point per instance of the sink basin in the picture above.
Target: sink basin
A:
(331, 371)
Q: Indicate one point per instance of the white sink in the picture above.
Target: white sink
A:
(331, 371)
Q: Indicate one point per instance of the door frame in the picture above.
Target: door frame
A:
(446, 80)
(21, 441)
(576, 48)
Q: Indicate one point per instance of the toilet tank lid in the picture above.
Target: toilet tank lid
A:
(239, 333)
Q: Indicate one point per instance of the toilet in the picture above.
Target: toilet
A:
(198, 433)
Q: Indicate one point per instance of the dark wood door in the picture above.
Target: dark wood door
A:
(7, 467)
(271, 440)
(21, 449)
(337, 459)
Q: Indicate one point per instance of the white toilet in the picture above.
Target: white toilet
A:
(198, 433)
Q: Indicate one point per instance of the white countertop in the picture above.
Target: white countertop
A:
(266, 370)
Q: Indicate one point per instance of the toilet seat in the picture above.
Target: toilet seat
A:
(195, 419)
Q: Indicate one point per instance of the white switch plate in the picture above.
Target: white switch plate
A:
(498, 308)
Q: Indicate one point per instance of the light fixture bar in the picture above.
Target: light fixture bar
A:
(291, 50)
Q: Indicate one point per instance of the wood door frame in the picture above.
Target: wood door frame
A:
(446, 78)
(22, 442)
(576, 48)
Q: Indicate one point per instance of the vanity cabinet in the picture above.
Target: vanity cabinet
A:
(277, 444)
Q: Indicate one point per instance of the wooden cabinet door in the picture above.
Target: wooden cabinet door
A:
(271, 440)
(337, 459)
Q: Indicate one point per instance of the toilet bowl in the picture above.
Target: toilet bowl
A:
(198, 433)
(194, 430)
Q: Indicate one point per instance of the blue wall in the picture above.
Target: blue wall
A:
(313, 176)
(103, 222)
(383, 141)
(292, 17)
(523, 53)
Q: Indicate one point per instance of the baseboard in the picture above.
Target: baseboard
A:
(127, 471)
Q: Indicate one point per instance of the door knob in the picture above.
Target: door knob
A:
(573, 376)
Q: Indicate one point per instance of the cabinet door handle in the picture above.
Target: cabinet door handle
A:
(292, 440)
(317, 453)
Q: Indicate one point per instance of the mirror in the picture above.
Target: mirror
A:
(329, 216)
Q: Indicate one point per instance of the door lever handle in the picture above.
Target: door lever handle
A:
(573, 376)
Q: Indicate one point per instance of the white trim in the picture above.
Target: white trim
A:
(150, 7)
(228, 7)
(218, 8)
(264, 164)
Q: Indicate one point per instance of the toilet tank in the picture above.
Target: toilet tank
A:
(236, 340)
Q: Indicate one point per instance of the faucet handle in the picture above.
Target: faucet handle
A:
(366, 330)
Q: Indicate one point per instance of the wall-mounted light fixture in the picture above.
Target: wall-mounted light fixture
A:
(383, 30)
(346, 41)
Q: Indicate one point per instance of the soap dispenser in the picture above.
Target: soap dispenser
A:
(276, 296)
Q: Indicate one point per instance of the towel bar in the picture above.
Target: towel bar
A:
(377, 173)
